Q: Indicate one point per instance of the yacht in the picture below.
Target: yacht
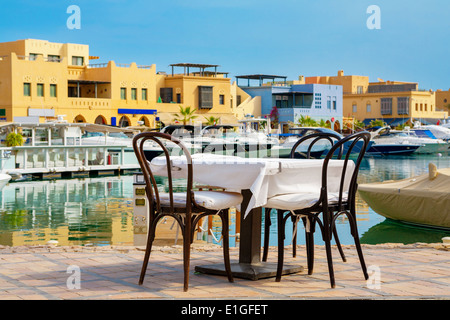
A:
(410, 137)
(385, 144)
(440, 132)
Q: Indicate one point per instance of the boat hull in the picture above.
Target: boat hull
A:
(392, 149)
(419, 200)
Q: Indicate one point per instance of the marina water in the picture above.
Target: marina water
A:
(99, 211)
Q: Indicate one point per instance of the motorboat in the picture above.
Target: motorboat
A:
(422, 200)
(406, 136)
(319, 148)
(438, 131)
(386, 144)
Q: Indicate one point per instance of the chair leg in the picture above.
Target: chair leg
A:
(186, 231)
(267, 224)
(338, 244)
(294, 236)
(309, 237)
(148, 249)
(327, 240)
(354, 231)
(226, 243)
(281, 237)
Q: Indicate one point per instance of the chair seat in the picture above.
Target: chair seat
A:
(297, 201)
(213, 200)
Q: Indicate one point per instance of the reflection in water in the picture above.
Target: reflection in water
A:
(100, 210)
(76, 211)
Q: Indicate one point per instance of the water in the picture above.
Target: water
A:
(99, 211)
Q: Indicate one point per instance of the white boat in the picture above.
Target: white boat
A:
(56, 148)
(385, 143)
(439, 132)
(422, 200)
(409, 137)
(4, 179)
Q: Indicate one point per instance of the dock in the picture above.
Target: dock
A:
(412, 272)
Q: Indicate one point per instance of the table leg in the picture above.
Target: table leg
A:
(249, 265)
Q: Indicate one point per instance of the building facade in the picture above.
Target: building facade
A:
(294, 100)
(41, 80)
(394, 102)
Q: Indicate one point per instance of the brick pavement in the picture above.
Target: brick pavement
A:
(416, 271)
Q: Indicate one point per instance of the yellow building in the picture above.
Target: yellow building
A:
(209, 92)
(41, 80)
(393, 101)
(443, 100)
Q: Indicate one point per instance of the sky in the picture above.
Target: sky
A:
(284, 37)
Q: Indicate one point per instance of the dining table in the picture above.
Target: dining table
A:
(257, 179)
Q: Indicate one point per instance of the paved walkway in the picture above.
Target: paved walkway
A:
(44, 272)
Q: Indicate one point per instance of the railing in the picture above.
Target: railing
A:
(33, 58)
(68, 158)
(119, 65)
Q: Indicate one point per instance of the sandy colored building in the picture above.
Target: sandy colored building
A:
(443, 100)
(393, 101)
(41, 80)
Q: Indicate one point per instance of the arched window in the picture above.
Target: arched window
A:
(79, 118)
(100, 120)
(124, 122)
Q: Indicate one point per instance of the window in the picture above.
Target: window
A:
(359, 90)
(222, 99)
(329, 103)
(27, 89)
(205, 97)
(238, 99)
(166, 94)
(54, 58)
(386, 106)
(77, 61)
(178, 97)
(354, 108)
(334, 103)
(144, 94)
(53, 90)
(33, 56)
(133, 94)
(403, 105)
(40, 89)
(417, 107)
(318, 100)
(425, 107)
(123, 93)
(368, 108)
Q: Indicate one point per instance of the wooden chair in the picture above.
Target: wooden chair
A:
(314, 146)
(187, 208)
(310, 205)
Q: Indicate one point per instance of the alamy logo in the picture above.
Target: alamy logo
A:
(74, 20)
(374, 281)
(374, 20)
(74, 280)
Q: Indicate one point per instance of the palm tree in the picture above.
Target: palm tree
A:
(307, 121)
(185, 115)
(377, 123)
(211, 120)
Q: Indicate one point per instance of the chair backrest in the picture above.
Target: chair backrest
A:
(162, 139)
(312, 140)
(350, 147)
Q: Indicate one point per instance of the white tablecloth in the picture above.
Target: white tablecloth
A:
(264, 177)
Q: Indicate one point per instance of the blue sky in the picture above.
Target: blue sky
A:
(284, 37)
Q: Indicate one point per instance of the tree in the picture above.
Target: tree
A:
(185, 115)
(211, 120)
(377, 123)
(14, 139)
(274, 117)
(307, 121)
(323, 124)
